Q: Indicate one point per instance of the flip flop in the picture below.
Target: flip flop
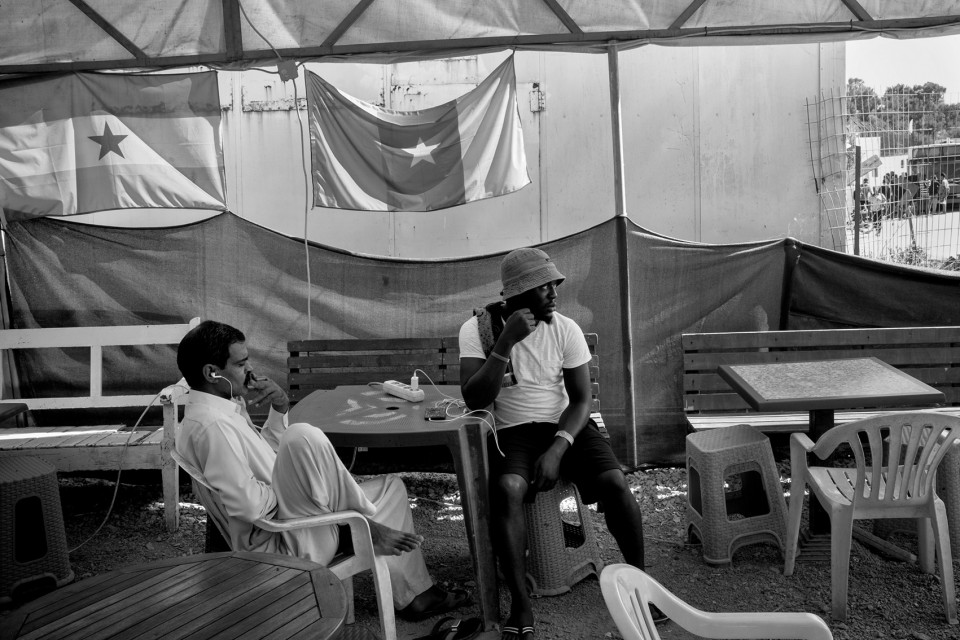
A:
(455, 599)
(659, 617)
(513, 633)
(449, 628)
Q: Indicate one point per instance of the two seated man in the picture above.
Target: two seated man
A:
(520, 355)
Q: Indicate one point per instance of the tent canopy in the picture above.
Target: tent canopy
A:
(73, 35)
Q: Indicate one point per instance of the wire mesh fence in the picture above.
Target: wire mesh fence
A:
(887, 170)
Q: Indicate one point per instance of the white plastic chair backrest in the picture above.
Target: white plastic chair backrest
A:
(628, 591)
(897, 455)
(208, 496)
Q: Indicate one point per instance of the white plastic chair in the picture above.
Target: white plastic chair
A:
(896, 456)
(628, 592)
(343, 566)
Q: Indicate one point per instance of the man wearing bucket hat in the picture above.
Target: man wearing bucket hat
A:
(532, 364)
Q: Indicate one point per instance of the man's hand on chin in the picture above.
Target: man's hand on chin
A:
(266, 390)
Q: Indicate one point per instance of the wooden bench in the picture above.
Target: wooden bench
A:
(930, 354)
(99, 447)
(325, 364)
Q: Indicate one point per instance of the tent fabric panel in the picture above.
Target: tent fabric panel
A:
(834, 290)
(167, 27)
(460, 19)
(68, 274)
(681, 287)
(52, 31)
(54, 34)
(225, 268)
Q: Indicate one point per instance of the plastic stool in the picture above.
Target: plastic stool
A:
(725, 520)
(33, 544)
(561, 553)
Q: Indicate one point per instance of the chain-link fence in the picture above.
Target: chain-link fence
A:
(888, 173)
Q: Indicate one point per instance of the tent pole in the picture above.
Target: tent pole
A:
(619, 201)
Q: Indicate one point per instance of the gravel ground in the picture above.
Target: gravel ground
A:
(888, 598)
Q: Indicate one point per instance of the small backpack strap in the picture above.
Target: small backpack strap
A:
(490, 324)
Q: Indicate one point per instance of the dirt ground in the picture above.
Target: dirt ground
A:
(888, 598)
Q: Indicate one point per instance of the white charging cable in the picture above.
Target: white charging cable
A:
(450, 401)
(116, 487)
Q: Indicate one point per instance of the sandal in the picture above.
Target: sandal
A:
(458, 630)
(454, 599)
(513, 633)
(659, 617)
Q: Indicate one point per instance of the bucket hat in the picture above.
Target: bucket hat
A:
(525, 269)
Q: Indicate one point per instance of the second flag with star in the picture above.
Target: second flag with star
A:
(374, 159)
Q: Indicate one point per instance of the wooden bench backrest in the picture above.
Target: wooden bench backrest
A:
(94, 338)
(324, 364)
(929, 354)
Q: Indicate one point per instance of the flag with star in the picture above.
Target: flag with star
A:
(85, 142)
(374, 159)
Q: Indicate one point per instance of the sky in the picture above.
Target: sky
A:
(884, 62)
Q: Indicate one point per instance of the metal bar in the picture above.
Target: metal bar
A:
(623, 256)
(565, 18)
(685, 15)
(624, 38)
(232, 34)
(109, 29)
(856, 202)
(858, 11)
(346, 23)
(126, 63)
(458, 46)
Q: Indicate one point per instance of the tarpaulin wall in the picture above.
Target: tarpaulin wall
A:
(225, 268)
(830, 290)
(680, 287)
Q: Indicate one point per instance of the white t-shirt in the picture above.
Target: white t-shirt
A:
(538, 362)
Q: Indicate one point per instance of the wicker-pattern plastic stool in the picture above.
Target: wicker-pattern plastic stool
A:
(33, 544)
(560, 553)
(725, 520)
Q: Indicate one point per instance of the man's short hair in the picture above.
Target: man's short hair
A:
(207, 343)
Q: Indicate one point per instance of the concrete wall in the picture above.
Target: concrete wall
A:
(715, 142)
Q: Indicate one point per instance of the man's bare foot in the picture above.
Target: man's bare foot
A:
(391, 542)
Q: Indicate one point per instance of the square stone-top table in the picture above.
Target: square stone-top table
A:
(823, 386)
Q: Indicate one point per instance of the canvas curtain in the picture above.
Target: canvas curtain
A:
(63, 273)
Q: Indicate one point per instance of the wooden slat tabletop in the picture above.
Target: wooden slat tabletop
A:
(206, 597)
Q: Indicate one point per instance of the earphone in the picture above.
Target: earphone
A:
(217, 376)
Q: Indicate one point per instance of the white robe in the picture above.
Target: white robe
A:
(287, 472)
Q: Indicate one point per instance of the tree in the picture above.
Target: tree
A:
(861, 98)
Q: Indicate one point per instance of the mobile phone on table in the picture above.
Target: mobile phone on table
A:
(435, 413)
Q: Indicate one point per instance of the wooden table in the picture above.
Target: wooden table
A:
(823, 386)
(214, 596)
(364, 416)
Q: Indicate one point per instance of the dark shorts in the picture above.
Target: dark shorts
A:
(522, 444)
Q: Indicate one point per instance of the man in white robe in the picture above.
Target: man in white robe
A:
(288, 471)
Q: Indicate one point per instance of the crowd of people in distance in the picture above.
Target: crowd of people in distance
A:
(902, 196)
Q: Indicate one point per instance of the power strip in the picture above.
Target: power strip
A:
(402, 390)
